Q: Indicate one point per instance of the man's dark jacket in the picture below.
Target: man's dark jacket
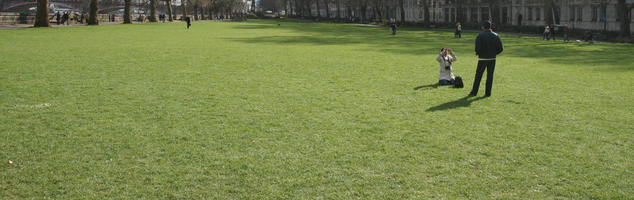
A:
(488, 44)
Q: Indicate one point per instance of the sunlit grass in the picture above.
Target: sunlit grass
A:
(307, 110)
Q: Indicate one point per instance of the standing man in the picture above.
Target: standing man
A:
(393, 26)
(487, 46)
(189, 22)
(458, 33)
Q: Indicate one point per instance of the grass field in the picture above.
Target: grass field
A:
(307, 111)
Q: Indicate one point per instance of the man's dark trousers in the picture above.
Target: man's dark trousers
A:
(489, 65)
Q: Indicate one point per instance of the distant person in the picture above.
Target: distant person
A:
(189, 22)
(65, 19)
(393, 26)
(566, 34)
(488, 44)
(445, 59)
(588, 37)
(58, 18)
(458, 33)
(85, 18)
(546, 35)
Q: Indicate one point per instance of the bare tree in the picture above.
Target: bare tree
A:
(93, 19)
(402, 6)
(41, 17)
(327, 3)
(318, 9)
(459, 15)
(338, 4)
(378, 8)
(152, 16)
(624, 11)
(184, 7)
(426, 9)
(169, 10)
(127, 18)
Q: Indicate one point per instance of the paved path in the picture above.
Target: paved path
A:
(18, 26)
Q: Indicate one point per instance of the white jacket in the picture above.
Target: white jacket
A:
(444, 61)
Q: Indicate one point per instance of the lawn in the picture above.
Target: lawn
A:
(308, 111)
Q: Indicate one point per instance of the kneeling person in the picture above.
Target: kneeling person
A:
(445, 58)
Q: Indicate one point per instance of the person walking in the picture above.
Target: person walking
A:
(566, 34)
(458, 33)
(546, 35)
(58, 18)
(189, 22)
(66, 19)
(487, 45)
(393, 26)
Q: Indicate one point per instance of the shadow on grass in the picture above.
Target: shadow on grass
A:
(433, 85)
(420, 41)
(462, 102)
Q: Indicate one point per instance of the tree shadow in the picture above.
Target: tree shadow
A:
(462, 102)
(433, 85)
(425, 42)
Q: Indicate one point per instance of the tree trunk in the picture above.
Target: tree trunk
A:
(378, 6)
(195, 12)
(41, 18)
(127, 18)
(337, 3)
(363, 10)
(169, 10)
(426, 9)
(327, 9)
(152, 16)
(184, 7)
(298, 10)
(93, 18)
(401, 4)
(495, 13)
(290, 10)
(459, 14)
(310, 9)
(548, 11)
(202, 13)
(318, 9)
(624, 22)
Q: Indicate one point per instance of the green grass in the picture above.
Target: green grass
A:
(306, 111)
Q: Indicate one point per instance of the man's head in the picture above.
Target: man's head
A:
(486, 25)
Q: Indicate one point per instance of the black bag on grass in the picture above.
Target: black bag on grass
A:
(457, 83)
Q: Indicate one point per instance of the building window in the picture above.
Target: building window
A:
(420, 14)
(538, 14)
(474, 15)
(485, 13)
(618, 17)
(579, 14)
(572, 14)
(446, 14)
(530, 13)
(505, 15)
(453, 14)
(595, 13)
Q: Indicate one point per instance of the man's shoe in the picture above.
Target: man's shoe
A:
(471, 95)
(487, 95)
